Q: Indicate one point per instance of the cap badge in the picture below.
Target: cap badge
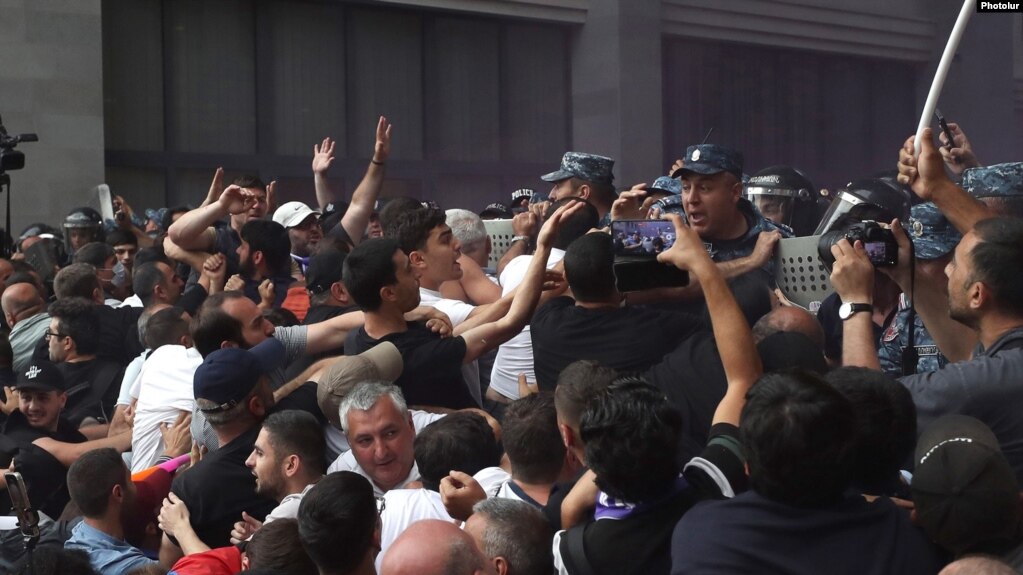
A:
(918, 228)
(696, 155)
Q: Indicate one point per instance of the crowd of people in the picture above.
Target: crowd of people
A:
(262, 386)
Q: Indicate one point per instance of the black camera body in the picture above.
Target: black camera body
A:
(879, 243)
(11, 159)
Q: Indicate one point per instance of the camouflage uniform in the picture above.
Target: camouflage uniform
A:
(933, 237)
(999, 180)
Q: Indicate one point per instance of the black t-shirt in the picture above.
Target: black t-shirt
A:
(117, 336)
(827, 315)
(626, 339)
(638, 540)
(432, 374)
(753, 534)
(45, 477)
(92, 389)
(316, 314)
(693, 379)
(220, 487)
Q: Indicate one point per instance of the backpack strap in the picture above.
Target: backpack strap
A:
(574, 552)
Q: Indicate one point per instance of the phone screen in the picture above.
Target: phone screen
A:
(28, 521)
(642, 238)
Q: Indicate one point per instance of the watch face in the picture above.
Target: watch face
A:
(844, 311)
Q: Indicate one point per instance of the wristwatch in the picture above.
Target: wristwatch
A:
(526, 239)
(847, 310)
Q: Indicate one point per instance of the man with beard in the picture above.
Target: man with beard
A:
(247, 199)
(288, 461)
(264, 259)
(304, 231)
(101, 487)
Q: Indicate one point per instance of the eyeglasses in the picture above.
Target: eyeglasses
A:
(49, 334)
(381, 505)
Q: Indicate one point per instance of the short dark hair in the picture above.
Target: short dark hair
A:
(336, 521)
(412, 228)
(578, 383)
(212, 325)
(144, 279)
(631, 432)
(297, 432)
(461, 441)
(281, 317)
(529, 433)
(95, 253)
(76, 280)
(997, 260)
(91, 478)
(249, 181)
(271, 239)
(53, 560)
(395, 207)
(277, 548)
(77, 319)
(121, 237)
(368, 268)
(152, 254)
(575, 226)
(885, 426)
(166, 327)
(798, 434)
(588, 267)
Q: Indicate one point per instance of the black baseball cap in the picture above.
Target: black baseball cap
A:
(40, 375)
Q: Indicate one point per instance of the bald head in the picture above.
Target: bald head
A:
(789, 319)
(978, 565)
(21, 301)
(434, 547)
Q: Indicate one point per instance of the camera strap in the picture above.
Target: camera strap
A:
(910, 355)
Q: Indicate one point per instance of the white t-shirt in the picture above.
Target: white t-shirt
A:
(347, 462)
(515, 356)
(130, 381)
(458, 311)
(288, 507)
(165, 389)
(403, 507)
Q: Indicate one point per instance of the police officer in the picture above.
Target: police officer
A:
(934, 239)
(712, 199)
(586, 176)
(786, 196)
(999, 186)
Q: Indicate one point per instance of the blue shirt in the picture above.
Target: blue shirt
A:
(108, 555)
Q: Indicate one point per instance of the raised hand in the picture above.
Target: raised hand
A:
(382, 149)
(924, 173)
(550, 227)
(688, 251)
(958, 154)
(236, 200)
(633, 204)
(216, 188)
(323, 156)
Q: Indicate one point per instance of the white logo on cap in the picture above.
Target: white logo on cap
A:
(918, 228)
(32, 372)
(696, 155)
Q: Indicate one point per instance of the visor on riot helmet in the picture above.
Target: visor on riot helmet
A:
(872, 199)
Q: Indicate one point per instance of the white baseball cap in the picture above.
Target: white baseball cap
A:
(292, 214)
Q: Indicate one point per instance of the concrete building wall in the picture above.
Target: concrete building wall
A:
(51, 83)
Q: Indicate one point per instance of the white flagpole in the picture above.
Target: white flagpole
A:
(943, 66)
